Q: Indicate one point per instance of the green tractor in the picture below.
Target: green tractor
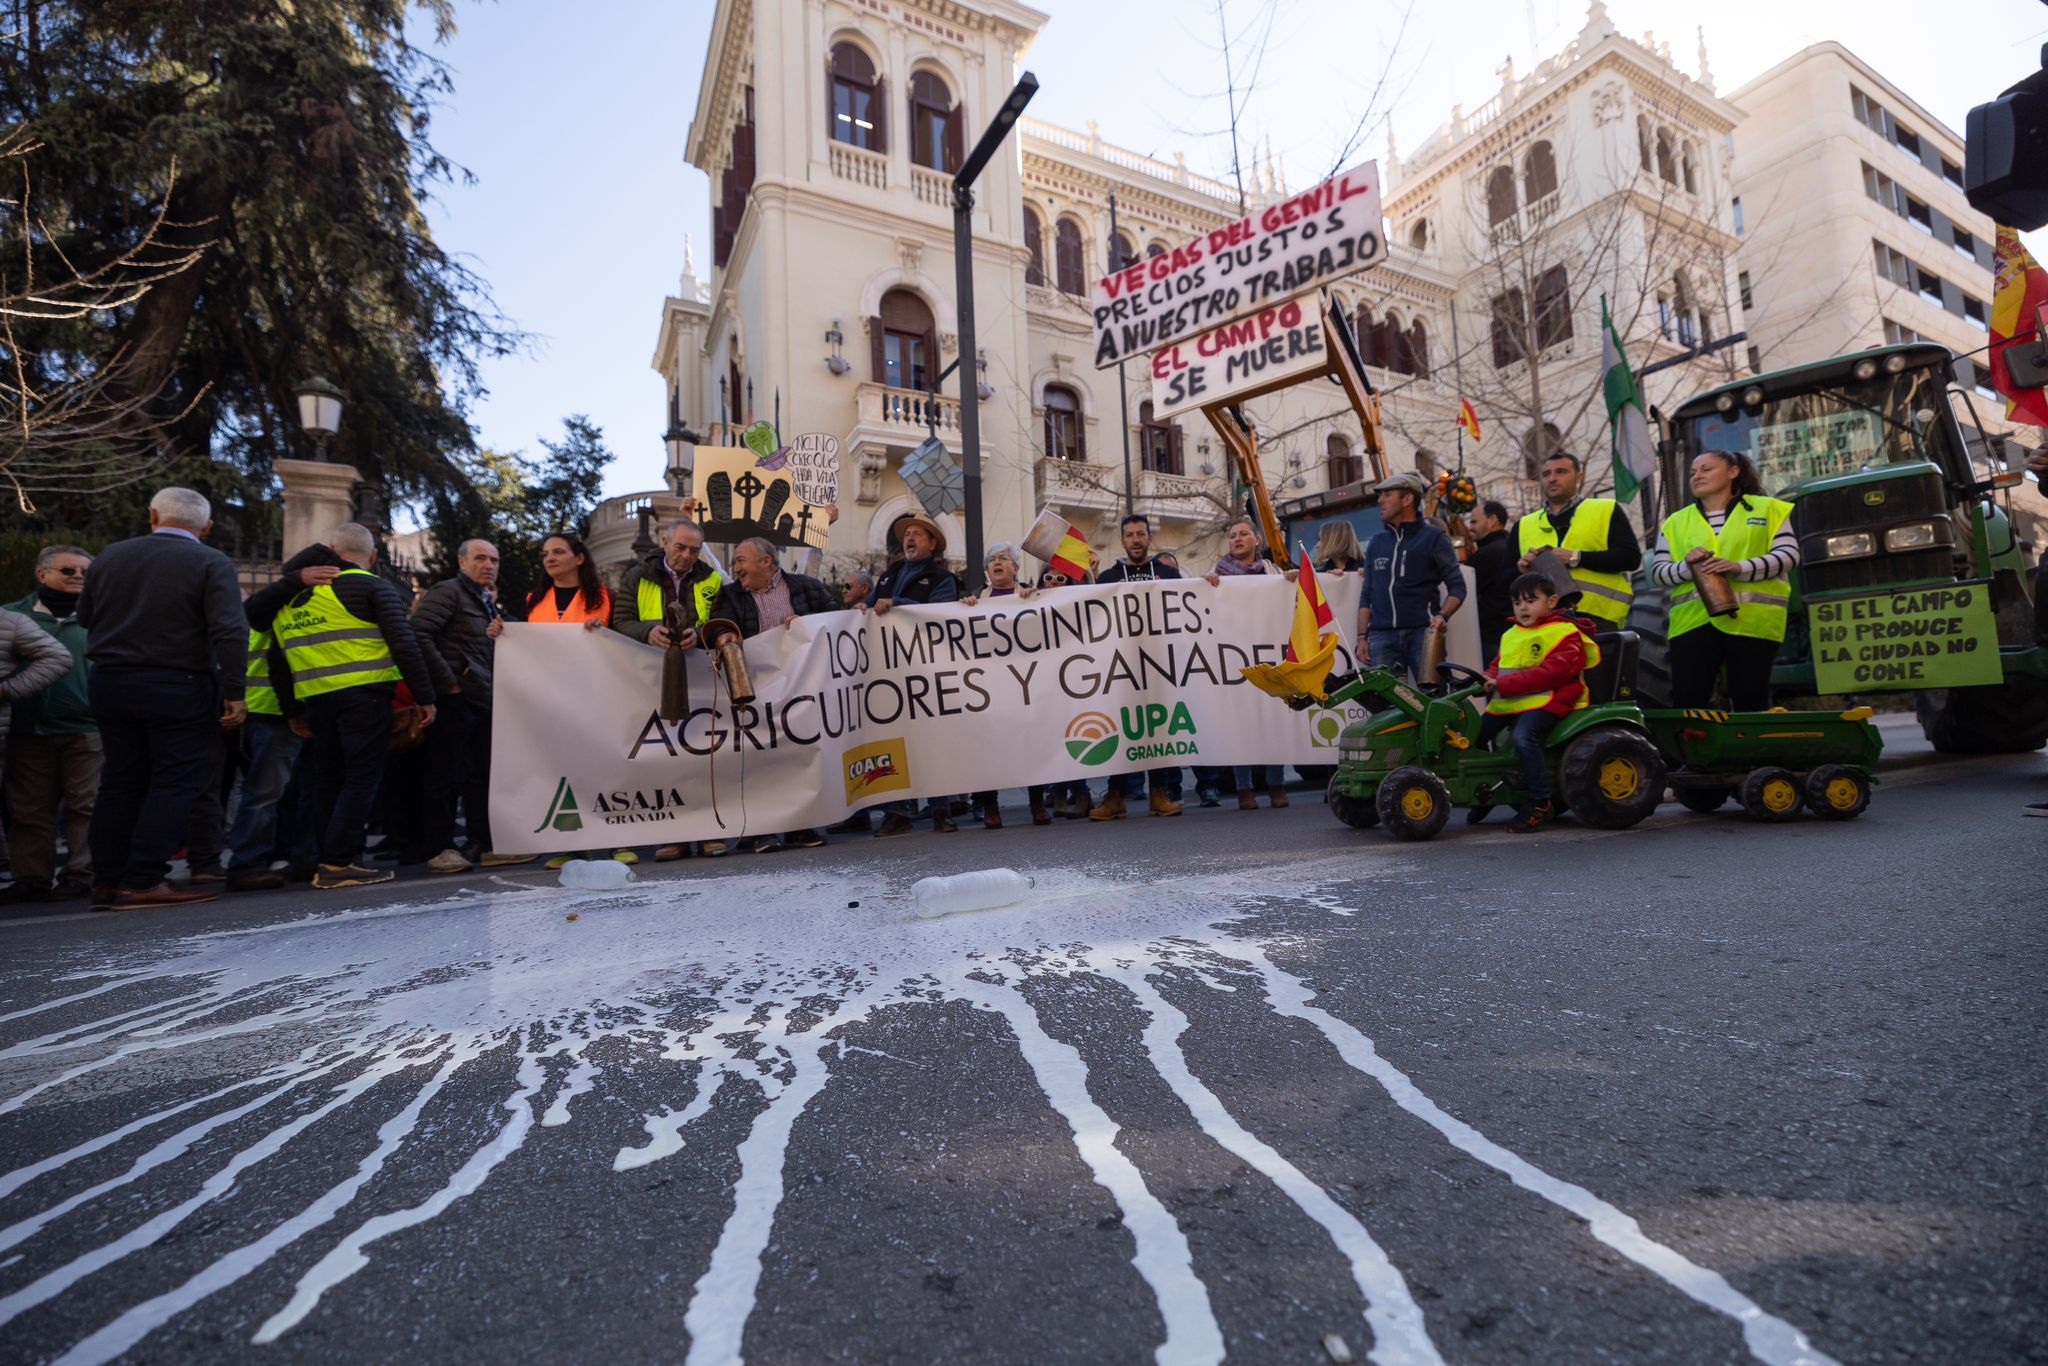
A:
(1911, 576)
(1417, 757)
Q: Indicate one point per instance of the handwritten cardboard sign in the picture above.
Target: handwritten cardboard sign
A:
(1942, 637)
(1289, 247)
(741, 497)
(1272, 348)
(813, 463)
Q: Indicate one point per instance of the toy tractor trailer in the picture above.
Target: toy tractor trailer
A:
(1911, 578)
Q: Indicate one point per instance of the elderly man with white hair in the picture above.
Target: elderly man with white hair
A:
(169, 650)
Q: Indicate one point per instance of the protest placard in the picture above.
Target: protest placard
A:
(741, 497)
(1289, 247)
(813, 462)
(1940, 637)
(1269, 350)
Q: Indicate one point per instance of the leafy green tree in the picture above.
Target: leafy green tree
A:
(300, 134)
(517, 503)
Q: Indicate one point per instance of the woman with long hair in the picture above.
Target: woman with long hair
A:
(1337, 550)
(1731, 529)
(574, 591)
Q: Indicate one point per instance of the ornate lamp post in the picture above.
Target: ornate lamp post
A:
(320, 402)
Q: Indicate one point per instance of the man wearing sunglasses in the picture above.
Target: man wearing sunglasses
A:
(53, 745)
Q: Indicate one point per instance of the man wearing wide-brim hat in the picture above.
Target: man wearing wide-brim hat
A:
(920, 576)
(1412, 580)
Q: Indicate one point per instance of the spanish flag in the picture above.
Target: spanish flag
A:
(1060, 544)
(2019, 311)
(1311, 645)
(1468, 418)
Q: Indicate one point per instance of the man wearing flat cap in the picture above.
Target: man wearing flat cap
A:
(920, 576)
(1412, 580)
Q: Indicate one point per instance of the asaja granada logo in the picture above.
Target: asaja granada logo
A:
(883, 766)
(562, 813)
(625, 806)
(1153, 729)
(1091, 738)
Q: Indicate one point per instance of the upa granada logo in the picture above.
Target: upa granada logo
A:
(1091, 738)
(879, 767)
(562, 813)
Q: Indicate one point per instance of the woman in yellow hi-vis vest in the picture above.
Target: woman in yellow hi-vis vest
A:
(1730, 529)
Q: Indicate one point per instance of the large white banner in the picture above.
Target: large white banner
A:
(855, 709)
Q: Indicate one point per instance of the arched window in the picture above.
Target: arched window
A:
(1667, 163)
(1510, 323)
(1341, 466)
(1539, 173)
(1500, 195)
(1418, 236)
(1063, 424)
(934, 123)
(1034, 238)
(1393, 344)
(1155, 249)
(854, 99)
(1158, 442)
(1643, 139)
(1121, 252)
(1418, 349)
(906, 342)
(1692, 179)
(1368, 336)
(1425, 464)
(1073, 275)
(1538, 443)
(1553, 307)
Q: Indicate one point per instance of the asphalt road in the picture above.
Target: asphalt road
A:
(1705, 1091)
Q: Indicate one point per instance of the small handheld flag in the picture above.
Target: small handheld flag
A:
(1468, 418)
(1304, 670)
(1060, 544)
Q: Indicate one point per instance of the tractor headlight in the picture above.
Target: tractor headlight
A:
(1850, 546)
(1725, 403)
(1866, 369)
(1914, 536)
(1894, 364)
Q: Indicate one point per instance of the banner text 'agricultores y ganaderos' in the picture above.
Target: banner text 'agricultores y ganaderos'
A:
(853, 709)
(1289, 247)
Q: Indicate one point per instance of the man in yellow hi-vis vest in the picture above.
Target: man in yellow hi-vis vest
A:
(346, 645)
(677, 570)
(1592, 535)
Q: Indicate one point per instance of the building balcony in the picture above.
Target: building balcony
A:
(933, 187)
(905, 416)
(860, 166)
(1078, 486)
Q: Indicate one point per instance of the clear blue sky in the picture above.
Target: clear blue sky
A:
(573, 120)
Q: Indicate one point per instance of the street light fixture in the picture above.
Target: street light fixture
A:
(320, 400)
(963, 286)
(835, 339)
(681, 443)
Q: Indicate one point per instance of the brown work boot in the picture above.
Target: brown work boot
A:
(163, 894)
(1277, 795)
(991, 817)
(1040, 816)
(1163, 805)
(1247, 800)
(1112, 808)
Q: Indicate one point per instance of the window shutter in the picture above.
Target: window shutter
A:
(880, 106)
(956, 126)
(878, 367)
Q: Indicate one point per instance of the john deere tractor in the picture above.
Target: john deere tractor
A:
(1911, 578)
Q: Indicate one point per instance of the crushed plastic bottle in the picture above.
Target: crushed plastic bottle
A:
(982, 890)
(596, 875)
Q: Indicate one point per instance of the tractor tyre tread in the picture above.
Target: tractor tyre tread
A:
(1751, 794)
(1360, 813)
(1388, 803)
(1579, 777)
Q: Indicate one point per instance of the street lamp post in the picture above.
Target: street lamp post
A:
(320, 400)
(679, 441)
(963, 285)
(1123, 388)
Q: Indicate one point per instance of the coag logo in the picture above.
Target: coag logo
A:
(879, 767)
(562, 813)
(1091, 738)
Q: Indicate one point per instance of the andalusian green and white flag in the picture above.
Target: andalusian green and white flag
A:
(1634, 456)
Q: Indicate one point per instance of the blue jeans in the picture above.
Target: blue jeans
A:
(1252, 777)
(1399, 651)
(271, 749)
(1165, 780)
(1531, 729)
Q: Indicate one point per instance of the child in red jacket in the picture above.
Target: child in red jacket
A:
(1537, 680)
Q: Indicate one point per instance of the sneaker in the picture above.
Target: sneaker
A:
(204, 876)
(1533, 818)
(494, 859)
(625, 856)
(767, 844)
(856, 824)
(558, 862)
(804, 839)
(1209, 796)
(893, 824)
(256, 880)
(332, 876)
(2035, 809)
(668, 853)
(449, 861)
(711, 848)
(148, 898)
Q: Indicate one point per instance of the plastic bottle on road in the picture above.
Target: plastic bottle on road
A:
(982, 890)
(595, 875)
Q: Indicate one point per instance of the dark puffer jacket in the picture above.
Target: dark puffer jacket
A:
(453, 629)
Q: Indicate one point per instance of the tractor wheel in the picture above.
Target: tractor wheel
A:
(1648, 617)
(1356, 812)
(1413, 803)
(1770, 794)
(1998, 718)
(1837, 792)
(1703, 799)
(1612, 777)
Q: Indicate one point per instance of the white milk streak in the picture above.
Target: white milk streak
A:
(110, 1025)
(55, 1282)
(1769, 1339)
(347, 1258)
(665, 1131)
(121, 980)
(580, 1079)
(723, 1298)
(1399, 1336)
(145, 1318)
(1162, 1257)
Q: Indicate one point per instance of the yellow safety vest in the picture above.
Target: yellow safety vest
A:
(1607, 595)
(329, 648)
(1752, 524)
(1524, 648)
(647, 598)
(261, 697)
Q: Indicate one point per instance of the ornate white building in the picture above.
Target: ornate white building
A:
(830, 304)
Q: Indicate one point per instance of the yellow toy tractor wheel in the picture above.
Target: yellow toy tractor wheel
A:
(1837, 792)
(1413, 803)
(1771, 794)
